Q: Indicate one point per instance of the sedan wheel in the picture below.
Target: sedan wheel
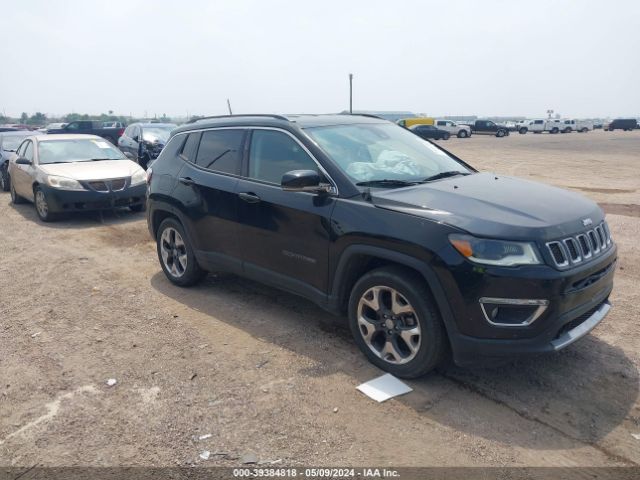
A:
(4, 179)
(42, 205)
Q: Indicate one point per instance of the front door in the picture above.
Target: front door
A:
(22, 175)
(284, 235)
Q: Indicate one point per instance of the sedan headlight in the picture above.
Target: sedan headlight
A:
(140, 176)
(64, 183)
(495, 252)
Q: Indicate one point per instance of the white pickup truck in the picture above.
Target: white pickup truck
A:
(461, 131)
(541, 125)
(573, 125)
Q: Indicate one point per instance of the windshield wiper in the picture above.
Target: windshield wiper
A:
(440, 175)
(386, 183)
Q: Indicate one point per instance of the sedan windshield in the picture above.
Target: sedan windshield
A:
(152, 134)
(381, 152)
(77, 150)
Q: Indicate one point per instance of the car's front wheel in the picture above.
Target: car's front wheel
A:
(41, 202)
(4, 178)
(176, 254)
(395, 322)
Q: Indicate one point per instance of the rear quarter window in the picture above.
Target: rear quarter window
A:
(168, 162)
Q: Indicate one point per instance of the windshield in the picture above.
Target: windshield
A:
(371, 152)
(12, 143)
(151, 134)
(77, 150)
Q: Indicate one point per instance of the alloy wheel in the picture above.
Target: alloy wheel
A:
(174, 252)
(389, 325)
(41, 204)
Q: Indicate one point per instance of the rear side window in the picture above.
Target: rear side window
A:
(275, 153)
(220, 150)
(190, 147)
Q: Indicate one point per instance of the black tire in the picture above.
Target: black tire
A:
(4, 178)
(43, 208)
(433, 343)
(446, 136)
(15, 198)
(500, 133)
(566, 130)
(584, 130)
(522, 131)
(183, 277)
(137, 208)
(463, 134)
(555, 130)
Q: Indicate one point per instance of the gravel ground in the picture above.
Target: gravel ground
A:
(261, 372)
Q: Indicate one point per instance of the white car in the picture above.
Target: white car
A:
(574, 125)
(461, 131)
(71, 173)
(541, 125)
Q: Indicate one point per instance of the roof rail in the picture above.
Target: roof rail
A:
(370, 115)
(278, 117)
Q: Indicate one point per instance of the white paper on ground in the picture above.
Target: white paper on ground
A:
(383, 388)
(636, 436)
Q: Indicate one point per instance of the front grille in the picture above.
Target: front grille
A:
(106, 186)
(579, 248)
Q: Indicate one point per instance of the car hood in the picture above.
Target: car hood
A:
(497, 206)
(98, 170)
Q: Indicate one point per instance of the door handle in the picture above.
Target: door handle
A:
(186, 181)
(249, 197)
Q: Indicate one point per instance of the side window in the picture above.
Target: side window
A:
(441, 123)
(20, 151)
(28, 151)
(221, 150)
(73, 126)
(275, 153)
(135, 132)
(190, 147)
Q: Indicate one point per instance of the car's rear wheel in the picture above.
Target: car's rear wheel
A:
(500, 133)
(463, 134)
(15, 198)
(176, 254)
(395, 322)
(555, 130)
(522, 131)
(4, 178)
(446, 136)
(43, 208)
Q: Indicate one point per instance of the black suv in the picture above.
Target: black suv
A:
(424, 254)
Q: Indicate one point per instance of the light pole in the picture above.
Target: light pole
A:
(351, 94)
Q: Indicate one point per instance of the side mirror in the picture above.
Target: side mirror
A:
(22, 161)
(304, 181)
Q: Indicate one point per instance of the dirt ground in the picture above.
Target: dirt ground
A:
(267, 373)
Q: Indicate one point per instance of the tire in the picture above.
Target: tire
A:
(566, 130)
(522, 131)
(405, 356)
(446, 136)
(4, 178)
(138, 208)
(172, 241)
(42, 205)
(15, 198)
(463, 134)
(554, 130)
(584, 130)
(500, 133)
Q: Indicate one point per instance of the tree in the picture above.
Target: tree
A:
(24, 117)
(38, 119)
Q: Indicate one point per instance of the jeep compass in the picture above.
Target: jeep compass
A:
(426, 257)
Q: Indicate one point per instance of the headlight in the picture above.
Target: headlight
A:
(495, 252)
(64, 183)
(139, 177)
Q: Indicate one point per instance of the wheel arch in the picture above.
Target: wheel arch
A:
(357, 260)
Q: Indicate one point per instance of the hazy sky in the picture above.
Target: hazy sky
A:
(579, 57)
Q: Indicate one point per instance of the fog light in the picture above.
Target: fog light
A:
(512, 312)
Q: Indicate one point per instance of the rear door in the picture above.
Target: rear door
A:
(284, 235)
(207, 189)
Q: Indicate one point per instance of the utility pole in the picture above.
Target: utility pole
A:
(229, 107)
(351, 93)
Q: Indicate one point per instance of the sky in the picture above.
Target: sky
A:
(580, 58)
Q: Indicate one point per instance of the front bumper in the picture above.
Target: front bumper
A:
(87, 200)
(578, 302)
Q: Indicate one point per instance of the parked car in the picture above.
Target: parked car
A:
(422, 253)
(143, 142)
(113, 125)
(55, 126)
(540, 125)
(9, 142)
(460, 131)
(70, 173)
(488, 127)
(9, 129)
(90, 127)
(573, 125)
(626, 124)
(430, 131)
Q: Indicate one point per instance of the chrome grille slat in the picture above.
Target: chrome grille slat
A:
(581, 247)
